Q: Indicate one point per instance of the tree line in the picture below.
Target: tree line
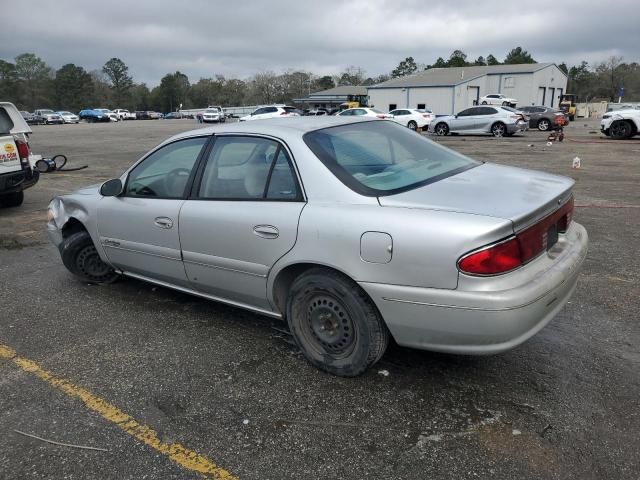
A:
(30, 83)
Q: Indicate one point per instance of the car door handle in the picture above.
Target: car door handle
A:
(266, 231)
(163, 222)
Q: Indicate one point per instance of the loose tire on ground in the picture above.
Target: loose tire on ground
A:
(335, 324)
(81, 258)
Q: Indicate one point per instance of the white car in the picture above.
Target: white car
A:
(621, 124)
(212, 114)
(365, 112)
(274, 111)
(498, 99)
(124, 114)
(113, 116)
(69, 117)
(412, 118)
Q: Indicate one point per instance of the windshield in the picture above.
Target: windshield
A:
(383, 158)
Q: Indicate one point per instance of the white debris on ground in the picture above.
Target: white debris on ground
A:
(516, 432)
(245, 422)
(384, 373)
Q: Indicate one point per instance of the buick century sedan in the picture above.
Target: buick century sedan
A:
(352, 231)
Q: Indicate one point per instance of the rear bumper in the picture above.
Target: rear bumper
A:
(482, 321)
(18, 181)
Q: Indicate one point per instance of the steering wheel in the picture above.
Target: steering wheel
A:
(172, 177)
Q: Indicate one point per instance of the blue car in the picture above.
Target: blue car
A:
(93, 116)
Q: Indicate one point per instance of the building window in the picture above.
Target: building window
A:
(392, 106)
(509, 82)
(421, 106)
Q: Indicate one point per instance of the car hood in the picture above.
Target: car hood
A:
(522, 196)
(88, 190)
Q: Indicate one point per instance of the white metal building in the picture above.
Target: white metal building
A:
(449, 90)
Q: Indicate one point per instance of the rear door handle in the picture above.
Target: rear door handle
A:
(163, 222)
(266, 231)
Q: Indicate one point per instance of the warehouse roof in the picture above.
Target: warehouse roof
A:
(456, 75)
(342, 91)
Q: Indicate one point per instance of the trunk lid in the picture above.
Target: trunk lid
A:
(522, 196)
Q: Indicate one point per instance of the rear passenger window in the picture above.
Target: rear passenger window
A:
(6, 124)
(248, 168)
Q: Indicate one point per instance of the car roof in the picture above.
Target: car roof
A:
(275, 127)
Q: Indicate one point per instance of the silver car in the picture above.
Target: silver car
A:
(351, 230)
(497, 121)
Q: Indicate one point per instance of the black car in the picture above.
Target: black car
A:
(544, 118)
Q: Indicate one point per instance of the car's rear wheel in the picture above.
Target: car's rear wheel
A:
(412, 125)
(505, 104)
(484, 102)
(81, 258)
(621, 129)
(441, 129)
(335, 323)
(498, 129)
(544, 124)
(13, 199)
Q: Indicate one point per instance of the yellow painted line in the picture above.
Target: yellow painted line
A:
(184, 457)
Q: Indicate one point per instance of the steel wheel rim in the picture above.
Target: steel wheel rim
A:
(90, 264)
(328, 327)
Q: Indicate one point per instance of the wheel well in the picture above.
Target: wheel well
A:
(72, 226)
(287, 276)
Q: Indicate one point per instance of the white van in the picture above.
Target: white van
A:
(16, 172)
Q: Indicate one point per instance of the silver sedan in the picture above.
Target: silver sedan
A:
(352, 231)
(497, 121)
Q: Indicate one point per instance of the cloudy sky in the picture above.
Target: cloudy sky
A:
(238, 38)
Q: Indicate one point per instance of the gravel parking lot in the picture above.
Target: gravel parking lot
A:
(230, 386)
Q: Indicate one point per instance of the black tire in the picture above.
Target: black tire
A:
(441, 129)
(81, 258)
(505, 104)
(621, 129)
(13, 199)
(484, 102)
(412, 125)
(499, 129)
(335, 323)
(544, 124)
(571, 118)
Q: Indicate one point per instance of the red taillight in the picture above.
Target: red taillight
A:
(23, 152)
(518, 250)
(284, 113)
(499, 258)
(381, 117)
(426, 115)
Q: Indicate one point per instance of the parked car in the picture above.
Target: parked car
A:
(92, 115)
(172, 115)
(351, 230)
(497, 121)
(544, 118)
(365, 112)
(28, 117)
(16, 171)
(412, 117)
(154, 115)
(621, 124)
(498, 99)
(212, 115)
(316, 112)
(113, 117)
(45, 116)
(69, 117)
(124, 114)
(274, 111)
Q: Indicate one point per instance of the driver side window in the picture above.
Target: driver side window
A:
(164, 173)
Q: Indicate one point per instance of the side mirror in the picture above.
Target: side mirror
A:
(111, 188)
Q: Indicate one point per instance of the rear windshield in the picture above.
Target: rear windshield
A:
(382, 158)
(6, 124)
